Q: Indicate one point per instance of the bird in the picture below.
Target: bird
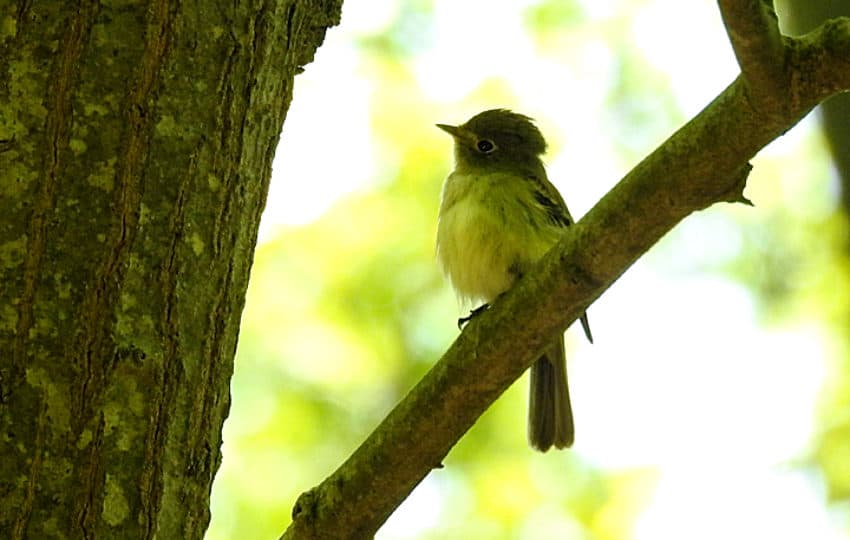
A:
(498, 215)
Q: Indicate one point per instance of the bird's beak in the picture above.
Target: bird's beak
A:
(458, 132)
(454, 131)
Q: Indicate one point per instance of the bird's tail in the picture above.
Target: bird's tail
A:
(550, 415)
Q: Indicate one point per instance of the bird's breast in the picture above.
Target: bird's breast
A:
(486, 237)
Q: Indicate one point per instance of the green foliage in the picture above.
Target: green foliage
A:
(554, 16)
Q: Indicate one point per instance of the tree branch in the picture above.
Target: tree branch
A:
(705, 162)
(753, 29)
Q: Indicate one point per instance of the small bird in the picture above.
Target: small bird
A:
(499, 214)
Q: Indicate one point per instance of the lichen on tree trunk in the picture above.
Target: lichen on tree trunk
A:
(136, 143)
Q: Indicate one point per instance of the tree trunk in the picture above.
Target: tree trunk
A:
(806, 15)
(136, 142)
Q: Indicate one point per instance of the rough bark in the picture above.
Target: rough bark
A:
(705, 162)
(136, 142)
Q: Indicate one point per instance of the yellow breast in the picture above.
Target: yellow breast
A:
(490, 232)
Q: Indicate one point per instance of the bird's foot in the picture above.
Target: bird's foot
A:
(472, 314)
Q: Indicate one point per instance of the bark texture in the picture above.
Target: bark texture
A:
(136, 142)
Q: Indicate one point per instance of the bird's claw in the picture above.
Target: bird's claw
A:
(472, 314)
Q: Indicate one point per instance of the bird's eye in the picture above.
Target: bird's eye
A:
(485, 147)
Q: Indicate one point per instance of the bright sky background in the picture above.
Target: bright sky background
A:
(723, 422)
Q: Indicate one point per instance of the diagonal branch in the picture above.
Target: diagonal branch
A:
(705, 162)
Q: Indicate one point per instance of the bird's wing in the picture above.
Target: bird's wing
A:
(548, 197)
(556, 209)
